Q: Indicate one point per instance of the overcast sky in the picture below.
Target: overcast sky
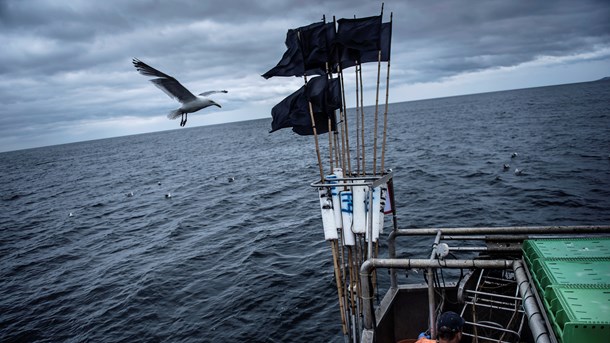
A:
(66, 72)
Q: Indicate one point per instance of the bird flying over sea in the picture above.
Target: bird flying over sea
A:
(170, 86)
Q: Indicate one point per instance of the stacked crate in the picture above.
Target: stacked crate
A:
(572, 277)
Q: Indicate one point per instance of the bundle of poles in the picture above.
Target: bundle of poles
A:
(340, 154)
(352, 196)
(353, 229)
(328, 49)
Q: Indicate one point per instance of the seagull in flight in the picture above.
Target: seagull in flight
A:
(175, 90)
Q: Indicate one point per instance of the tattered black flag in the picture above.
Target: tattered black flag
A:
(316, 43)
(359, 41)
(308, 50)
(293, 111)
(291, 63)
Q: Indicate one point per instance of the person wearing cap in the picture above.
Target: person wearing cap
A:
(448, 329)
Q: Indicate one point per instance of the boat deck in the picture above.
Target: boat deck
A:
(568, 280)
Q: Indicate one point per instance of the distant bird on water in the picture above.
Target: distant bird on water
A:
(173, 88)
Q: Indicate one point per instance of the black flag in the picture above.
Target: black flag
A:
(307, 53)
(360, 34)
(293, 111)
(385, 43)
(291, 63)
(316, 44)
(359, 40)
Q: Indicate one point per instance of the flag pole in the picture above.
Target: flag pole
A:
(330, 128)
(385, 113)
(362, 118)
(330, 145)
(376, 114)
(313, 125)
(377, 104)
(333, 245)
(357, 122)
(315, 135)
(345, 135)
(343, 113)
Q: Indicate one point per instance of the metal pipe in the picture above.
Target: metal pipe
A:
(431, 299)
(373, 181)
(369, 265)
(513, 238)
(535, 318)
(510, 230)
(369, 229)
(392, 236)
(437, 240)
(486, 237)
(392, 253)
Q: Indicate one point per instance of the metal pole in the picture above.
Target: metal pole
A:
(369, 229)
(534, 316)
(512, 230)
(431, 298)
(392, 236)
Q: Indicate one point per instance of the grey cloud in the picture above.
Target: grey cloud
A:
(68, 57)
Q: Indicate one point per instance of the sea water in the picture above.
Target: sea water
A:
(94, 249)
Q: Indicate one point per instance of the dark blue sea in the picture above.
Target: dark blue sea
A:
(221, 261)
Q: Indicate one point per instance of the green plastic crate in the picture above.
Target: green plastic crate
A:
(580, 314)
(583, 248)
(571, 272)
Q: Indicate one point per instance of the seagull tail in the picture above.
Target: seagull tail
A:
(174, 114)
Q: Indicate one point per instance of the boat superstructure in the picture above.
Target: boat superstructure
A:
(510, 284)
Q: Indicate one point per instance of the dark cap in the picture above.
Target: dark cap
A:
(450, 321)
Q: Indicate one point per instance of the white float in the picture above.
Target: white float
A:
(359, 197)
(332, 179)
(375, 212)
(328, 216)
(349, 238)
(384, 194)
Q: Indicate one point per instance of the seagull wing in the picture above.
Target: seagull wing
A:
(212, 92)
(164, 82)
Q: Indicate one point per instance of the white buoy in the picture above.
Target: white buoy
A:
(346, 213)
(335, 196)
(375, 212)
(384, 194)
(328, 216)
(359, 209)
